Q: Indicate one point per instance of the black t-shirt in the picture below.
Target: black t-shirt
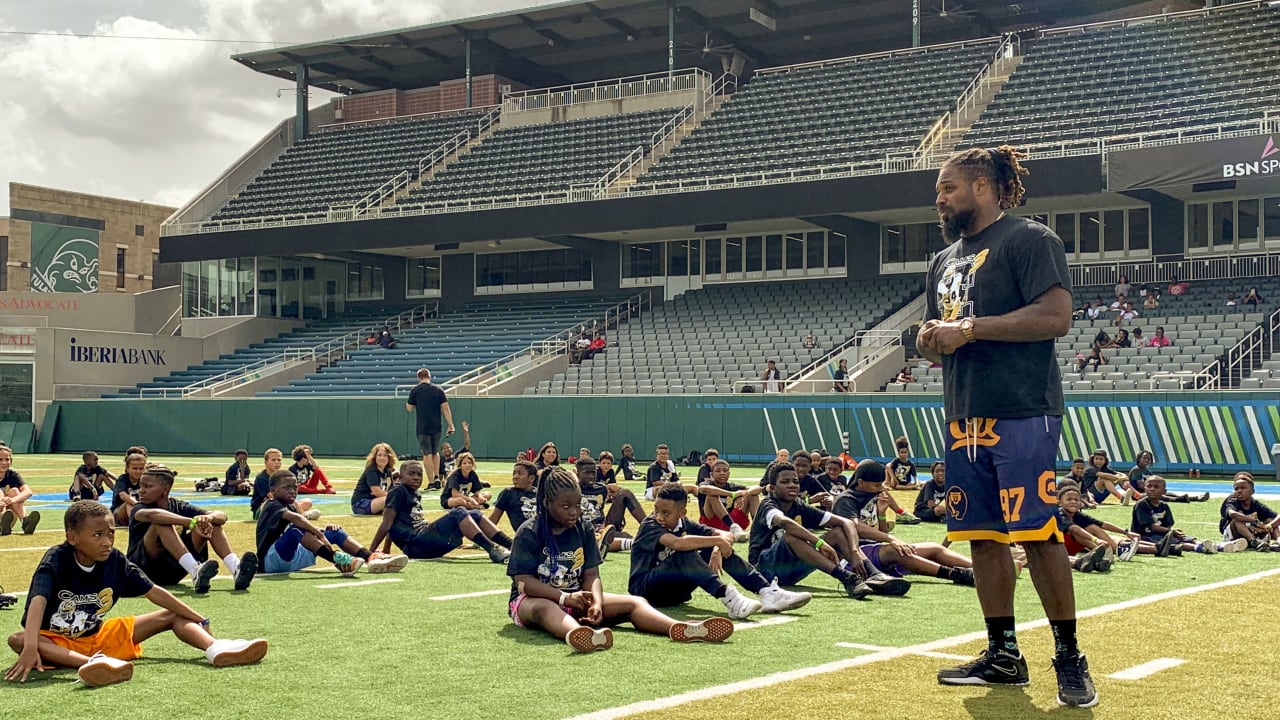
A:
(575, 553)
(1001, 269)
(1145, 515)
(261, 487)
(271, 524)
(904, 472)
(449, 464)
(859, 506)
(1138, 478)
(518, 505)
(628, 465)
(763, 537)
(812, 484)
(1091, 474)
(1081, 520)
(11, 480)
(426, 398)
(1258, 510)
(593, 499)
(137, 528)
(647, 551)
(930, 491)
(607, 478)
(407, 506)
(660, 473)
(237, 473)
(96, 475)
(728, 487)
(468, 485)
(371, 477)
(124, 486)
(76, 600)
(704, 473)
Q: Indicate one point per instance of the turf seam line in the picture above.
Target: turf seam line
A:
(881, 648)
(666, 703)
(778, 620)
(464, 596)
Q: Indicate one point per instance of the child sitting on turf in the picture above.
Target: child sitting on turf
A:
(170, 539)
(311, 479)
(709, 459)
(608, 525)
(814, 489)
(672, 556)
(404, 524)
(1243, 518)
(76, 585)
(272, 459)
(548, 456)
(555, 579)
(931, 501)
(1153, 521)
(370, 495)
(628, 464)
(91, 479)
(660, 472)
(1087, 539)
(784, 548)
(1142, 470)
(517, 502)
(125, 495)
(864, 504)
(1100, 481)
(902, 470)
(236, 480)
(287, 542)
(1076, 475)
(723, 505)
(14, 494)
(448, 458)
(463, 487)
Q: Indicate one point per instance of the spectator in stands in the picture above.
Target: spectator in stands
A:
(1118, 304)
(1123, 288)
(596, 347)
(1160, 340)
(809, 342)
(1096, 309)
(1151, 302)
(386, 341)
(1082, 312)
(771, 377)
(1093, 360)
(1122, 339)
(1231, 298)
(1127, 313)
(905, 376)
(372, 339)
(1102, 340)
(1140, 340)
(1253, 298)
(841, 378)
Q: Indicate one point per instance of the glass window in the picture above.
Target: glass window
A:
(1271, 218)
(773, 252)
(1064, 224)
(268, 281)
(714, 261)
(541, 267)
(244, 289)
(1043, 219)
(190, 289)
(835, 250)
(733, 253)
(1223, 229)
(364, 282)
(695, 258)
(1139, 230)
(816, 250)
(755, 253)
(15, 392)
(423, 276)
(1089, 232)
(227, 288)
(642, 260)
(893, 244)
(120, 263)
(1197, 226)
(678, 258)
(795, 251)
(1247, 223)
(1113, 231)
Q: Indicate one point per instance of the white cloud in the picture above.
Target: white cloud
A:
(158, 121)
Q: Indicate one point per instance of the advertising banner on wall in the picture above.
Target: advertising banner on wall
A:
(1257, 156)
(63, 259)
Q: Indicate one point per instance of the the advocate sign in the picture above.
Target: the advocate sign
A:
(1211, 161)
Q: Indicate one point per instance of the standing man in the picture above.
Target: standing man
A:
(430, 402)
(1000, 295)
(771, 376)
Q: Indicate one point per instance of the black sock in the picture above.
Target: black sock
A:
(720, 592)
(1001, 634)
(840, 574)
(482, 542)
(1064, 637)
(501, 539)
(325, 553)
(362, 553)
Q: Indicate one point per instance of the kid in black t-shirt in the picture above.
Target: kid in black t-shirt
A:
(1141, 470)
(379, 474)
(902, 470)
(311, 479)
(170, 539)
(661, 471)
(91, 479)
(403, 523)
(555, 580)
(1244, 518)
(14, 494)
(1084, 534)
(723, 505)
(236, 480)
(672, 556)
(608, 523)
(518, 501)
(1153, 520)
(448, 458)
(1100, 481)
(272, 459)
(463, 488)
(125, 494)
(628, 465)
(931, 501)
(76, 585)
(288, 542)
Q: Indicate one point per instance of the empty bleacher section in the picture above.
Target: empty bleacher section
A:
(1139, 77)
(707, 340)
(460, 340)
(341, 166)
(534, 159)
(839, 112)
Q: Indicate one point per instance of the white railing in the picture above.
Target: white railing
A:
(285, 359)
(901, 52)
(492, 373)
(601, 90)
(624, 167)
(1172, 268)
(1148, 19)
(968, 99)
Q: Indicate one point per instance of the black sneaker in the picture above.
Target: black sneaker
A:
(204, 576)
(993, 667)
(7, 519)
(882, 584)
(962, 576)
(607, 534)
(1164, 548)
(856, 588)
(7, 600)
(1092, 560)
(30, 522)
(1075, 687)
(1203, 498)
(248, 568)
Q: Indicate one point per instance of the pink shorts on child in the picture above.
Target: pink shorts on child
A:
(513, 609)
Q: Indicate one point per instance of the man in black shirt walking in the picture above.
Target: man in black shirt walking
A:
(999, 296)
(430, 403)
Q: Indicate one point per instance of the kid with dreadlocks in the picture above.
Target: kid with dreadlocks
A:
(555, 581)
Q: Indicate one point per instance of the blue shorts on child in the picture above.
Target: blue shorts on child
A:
(288, 554)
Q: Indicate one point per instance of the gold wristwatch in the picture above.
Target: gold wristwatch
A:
(966, 328)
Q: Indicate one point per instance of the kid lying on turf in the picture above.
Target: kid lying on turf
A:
(672, 556)
(1084, 534)
(404, 524)
(555, 581)
(888, 556)
(518, 502)
(76, 585)
(287, 542)
(727, 506)
(1247, 519)
(170, 539)
(14, 494)
(91, 479)
(1153, 520)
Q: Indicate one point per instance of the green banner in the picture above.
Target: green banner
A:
(63, 259)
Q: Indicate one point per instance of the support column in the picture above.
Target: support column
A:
(915, 23)
(469, 97)
(300, 124)
(671, 37)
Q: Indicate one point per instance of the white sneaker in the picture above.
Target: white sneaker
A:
(1128, 496)
(775, 599)
(739, 605)
(1127, 551)
(1208, 547)
(739, 535)
(312, 514)
(1231, 546)
(225, 653)
(102, 670)
(379, 563)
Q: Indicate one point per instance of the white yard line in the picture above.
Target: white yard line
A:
(463, 596)
(879, 648)
(379, 581)
(776, 620)
(1146, 669)
(666, 703)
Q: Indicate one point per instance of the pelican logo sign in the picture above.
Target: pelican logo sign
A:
(1261, 166)
(63, 259)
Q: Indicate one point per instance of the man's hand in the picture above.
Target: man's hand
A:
(450, 430)
(947, 338)
(466, 427)
(28, 660)
(716, 563)
(925, 338)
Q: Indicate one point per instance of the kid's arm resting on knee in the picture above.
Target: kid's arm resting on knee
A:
(160, 597)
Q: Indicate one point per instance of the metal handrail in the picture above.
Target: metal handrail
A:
(1147, 19)
(596, 91)
(1170, 268)
(637, 156)
(409, 317)
(1008, 48)
(874, 56)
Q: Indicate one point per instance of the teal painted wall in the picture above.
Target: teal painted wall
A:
(1213, 431)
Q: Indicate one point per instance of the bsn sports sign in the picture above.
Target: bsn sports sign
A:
(1261, 166)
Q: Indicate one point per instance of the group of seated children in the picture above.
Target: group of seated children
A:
(1097, 481)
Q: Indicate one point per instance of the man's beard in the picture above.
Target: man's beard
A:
(953, 228)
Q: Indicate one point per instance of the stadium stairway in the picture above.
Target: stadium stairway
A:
(472, 335)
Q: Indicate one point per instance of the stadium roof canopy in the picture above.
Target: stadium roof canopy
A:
(576, 41)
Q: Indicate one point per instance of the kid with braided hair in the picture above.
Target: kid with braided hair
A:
(555, 578)
(404, 524)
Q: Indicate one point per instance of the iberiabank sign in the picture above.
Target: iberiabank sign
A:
(1248, 157)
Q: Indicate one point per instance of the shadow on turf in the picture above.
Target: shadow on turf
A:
(1002, 703)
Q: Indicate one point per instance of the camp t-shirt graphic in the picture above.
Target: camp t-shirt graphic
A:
(77, 600)
(956, 284)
